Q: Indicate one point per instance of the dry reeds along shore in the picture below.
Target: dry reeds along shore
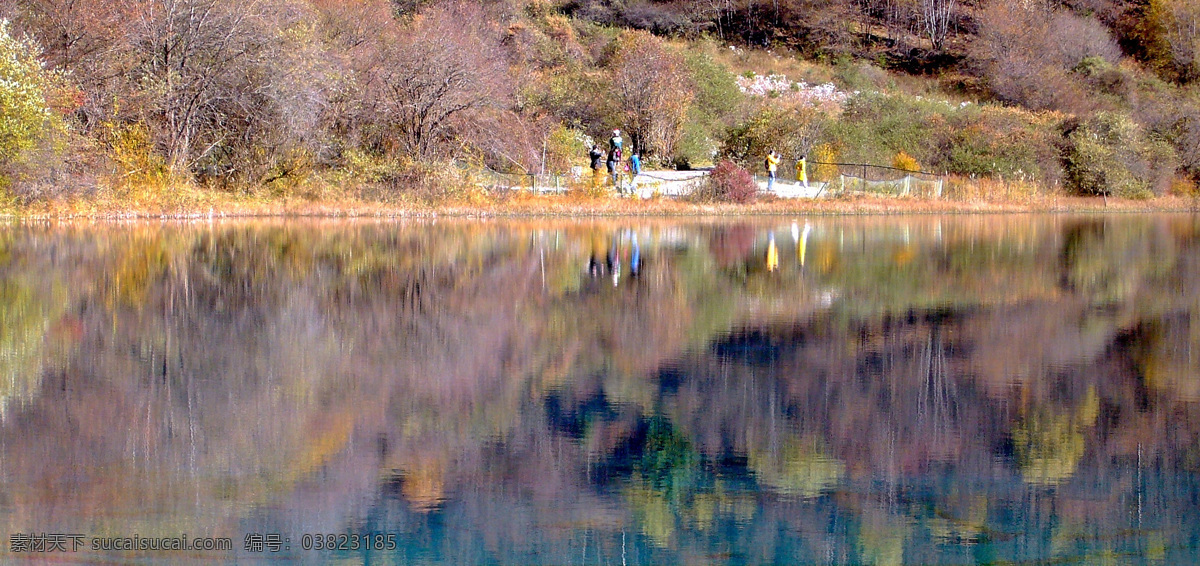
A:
(960, 198)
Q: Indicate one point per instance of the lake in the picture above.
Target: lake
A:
(808, 390)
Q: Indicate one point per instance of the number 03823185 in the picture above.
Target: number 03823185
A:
(351, 542)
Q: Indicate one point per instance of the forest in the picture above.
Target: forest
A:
(174, 102)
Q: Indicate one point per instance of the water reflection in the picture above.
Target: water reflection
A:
(883, 391)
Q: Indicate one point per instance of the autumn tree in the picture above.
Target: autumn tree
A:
(353, 30)
(430, 78)
(1171, 31)
(25, 116)
(73, 32)
(652, 89)
(229, 88)
(937, 17)
(792, 131)
(1028, 56)
(83, 38)
(717, 11)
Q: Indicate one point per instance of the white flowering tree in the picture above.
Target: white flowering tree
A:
(25, 117)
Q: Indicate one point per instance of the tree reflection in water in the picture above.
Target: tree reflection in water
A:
(933, 390)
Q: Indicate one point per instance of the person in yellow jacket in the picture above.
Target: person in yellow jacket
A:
(772, 168)
(802, 170)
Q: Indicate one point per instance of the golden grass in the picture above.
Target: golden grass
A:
(341, 198)
(962, 197)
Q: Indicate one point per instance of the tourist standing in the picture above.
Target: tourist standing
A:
(802, 170)
(772, 165)
(615, 146)
(613, 160)
(596, 155)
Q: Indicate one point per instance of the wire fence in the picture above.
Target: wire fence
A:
(824, 179)
(835, 178)
(489, 179)
(494, 180)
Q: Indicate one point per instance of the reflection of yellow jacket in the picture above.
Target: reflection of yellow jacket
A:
(772, 255)
(772, 162)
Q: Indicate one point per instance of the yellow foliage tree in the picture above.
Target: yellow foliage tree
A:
(905, 162)
(824, 156)
(1170, 37)
(26, 119)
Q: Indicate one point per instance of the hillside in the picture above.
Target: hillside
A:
(166, 101)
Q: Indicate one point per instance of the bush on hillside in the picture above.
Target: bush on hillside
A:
(1109, 154)
(791, 131)
(1028, 55)
(1172, 115)
(696, 146)
(874, 127)
(994, 141)
(965, 139)
(905, 162)
(564, 148)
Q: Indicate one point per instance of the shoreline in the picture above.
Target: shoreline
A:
(540, 206)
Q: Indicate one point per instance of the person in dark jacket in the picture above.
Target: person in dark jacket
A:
(614, 157)
(596, 155)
